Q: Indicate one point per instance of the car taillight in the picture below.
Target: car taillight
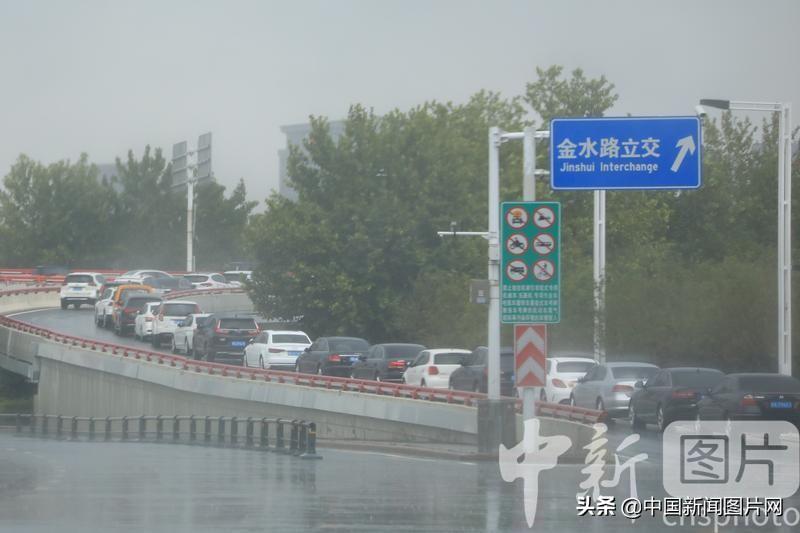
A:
(334, 357)
(432, 370)
(748, 401)
(621, 388)
(129, 310)
(275, 350)
(397, 364)
(682, 394)
(561, 385)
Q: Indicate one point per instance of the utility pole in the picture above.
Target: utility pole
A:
(200, 173)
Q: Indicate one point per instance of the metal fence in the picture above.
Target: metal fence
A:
(292, 437)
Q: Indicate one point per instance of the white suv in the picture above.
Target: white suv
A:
(170, 314)
(81, 288)
(143, 324)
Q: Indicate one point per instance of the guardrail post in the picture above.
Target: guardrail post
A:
(108, 428)
(264, 434)
(221, 430)
(311, 443)
(142, 428)
(91, 428)
(249, 431)
(207, 429)
(176, 429)
(159, 427)
(74, 428)
(234, 430)
(280, 447)
(192, 429)
(18, 419)
(59, 426)
(293, 437)
(303, 437)
(124, 428)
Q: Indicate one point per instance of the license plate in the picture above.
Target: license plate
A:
(77, 289)
(780, 405)
(238, 344)
(294, 353)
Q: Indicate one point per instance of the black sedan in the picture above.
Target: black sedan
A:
(331, 356)
(753, 397)
(472, 376)
(671, 394)
(386, 362)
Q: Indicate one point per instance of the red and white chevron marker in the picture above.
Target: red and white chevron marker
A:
(530, 352)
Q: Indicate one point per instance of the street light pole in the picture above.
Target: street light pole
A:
(784, 111)
(493, 344)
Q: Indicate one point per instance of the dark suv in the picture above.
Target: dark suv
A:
(223, 338)
(472, 376)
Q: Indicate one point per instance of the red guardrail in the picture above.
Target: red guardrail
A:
(568, 412)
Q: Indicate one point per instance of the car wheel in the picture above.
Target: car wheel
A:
(297, 367)
(211, 356)
(661, 421)
(64, 305)
(422, 383)
(261, 361)
(378, 377)
(189, 350)
(572, 400)
(319, 370)
(172, 346)
(155, 340)
(636, 422)
(599, 405)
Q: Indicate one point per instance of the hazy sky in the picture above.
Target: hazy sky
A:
(102, 77)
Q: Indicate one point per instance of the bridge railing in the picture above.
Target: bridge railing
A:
(294, 437)
(400, 390)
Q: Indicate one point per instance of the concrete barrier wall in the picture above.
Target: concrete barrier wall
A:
(28, 301)
(82, 382)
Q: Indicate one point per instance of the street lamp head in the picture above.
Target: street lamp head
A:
(719, 104)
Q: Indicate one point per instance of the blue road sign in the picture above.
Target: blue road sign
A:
(625, 153)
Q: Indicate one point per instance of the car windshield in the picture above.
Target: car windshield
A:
(769, 384)
(290, 338)
(410, 351)
(449, 358)
(697, 379)
(348, 345)
(237, 323)
(195, 278)
(177, 309)
(574, 367)
(79, 278)
(633, 372)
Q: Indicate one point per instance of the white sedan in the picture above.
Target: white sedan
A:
(563, 374)
(276, 350)
(184, 334)
(143, 324)
(104, 307)
(208, 280)
(432, 368)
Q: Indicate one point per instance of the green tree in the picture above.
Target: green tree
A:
(221, 223)
(55, 214)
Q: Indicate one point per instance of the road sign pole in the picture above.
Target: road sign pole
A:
(529, 394)
(785, 240)
(190, 225)
(599, 270)
(493, 344)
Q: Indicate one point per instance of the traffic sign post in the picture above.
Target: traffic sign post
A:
(530, 354)
(625, 153)
(530, 279)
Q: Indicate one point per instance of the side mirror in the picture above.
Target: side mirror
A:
(307, 349)
(582, 380)
(251, 341)
(639, 384)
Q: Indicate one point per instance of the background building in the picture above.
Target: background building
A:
(295, 134)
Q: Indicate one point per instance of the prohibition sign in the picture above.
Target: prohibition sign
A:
(516, 217)
(544, 243)
(517, 244)
(543, 270)
(543, 217)
(516, 270)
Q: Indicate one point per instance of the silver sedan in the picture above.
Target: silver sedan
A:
(609, 387)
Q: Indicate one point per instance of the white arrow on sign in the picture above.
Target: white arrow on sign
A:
(530, 366)
(531, 337)
(686, 145)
